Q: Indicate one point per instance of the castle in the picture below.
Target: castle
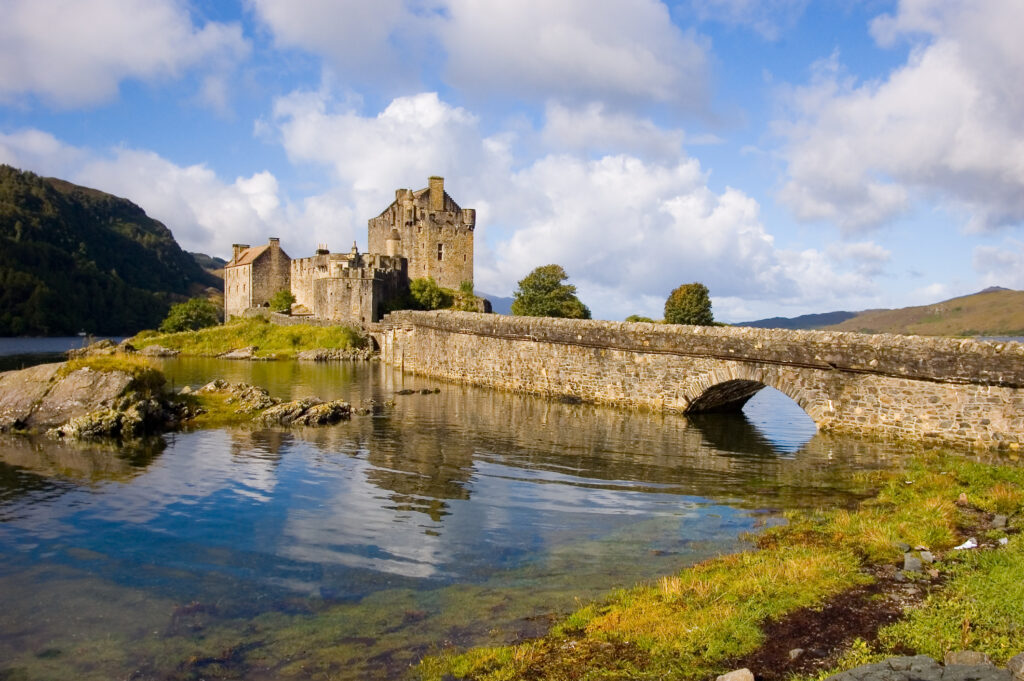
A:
(423, 233)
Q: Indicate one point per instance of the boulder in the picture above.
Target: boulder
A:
(37, 398)
(20, 391)
(82, 391)
(159, 351)
(248, 352)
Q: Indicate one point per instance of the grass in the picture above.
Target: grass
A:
(270, 339)
(145, 377)
(995, 313)
(691, 624)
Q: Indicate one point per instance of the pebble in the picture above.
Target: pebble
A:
(796, 653)
(927, 557)
(737, 675)
(999, 521)
(911, 563)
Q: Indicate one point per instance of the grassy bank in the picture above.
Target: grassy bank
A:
(692, 625)
(270, 339)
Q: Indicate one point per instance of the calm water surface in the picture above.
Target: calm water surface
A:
(459, 518)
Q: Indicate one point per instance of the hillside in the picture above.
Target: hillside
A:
(993, 312)
(74, 258)
(806, 321)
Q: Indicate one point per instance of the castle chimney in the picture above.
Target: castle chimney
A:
(274, 242)
(238, 248)
(436, 193)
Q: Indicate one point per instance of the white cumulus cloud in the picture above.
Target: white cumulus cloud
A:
(948, 125)
(74, 53)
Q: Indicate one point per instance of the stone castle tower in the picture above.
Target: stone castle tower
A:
(431, 231)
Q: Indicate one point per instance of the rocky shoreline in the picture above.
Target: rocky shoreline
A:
(108, 391)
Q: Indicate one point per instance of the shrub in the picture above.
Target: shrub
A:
(197, 313)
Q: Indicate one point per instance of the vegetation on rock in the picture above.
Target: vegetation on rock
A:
(691, 625)
(74, 258)
(427, 295)
(270, 340)
(195, 314)
(542, 293)
(145, 377)
(689, 304)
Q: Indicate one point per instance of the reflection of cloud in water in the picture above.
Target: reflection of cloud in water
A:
(357, 527)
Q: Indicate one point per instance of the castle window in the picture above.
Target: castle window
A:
(440, 251)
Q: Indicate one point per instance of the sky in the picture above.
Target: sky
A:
(794, 156)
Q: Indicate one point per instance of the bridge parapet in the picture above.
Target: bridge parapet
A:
(946, 360)
(958, 390)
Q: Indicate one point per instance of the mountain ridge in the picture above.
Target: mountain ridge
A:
(76, 258)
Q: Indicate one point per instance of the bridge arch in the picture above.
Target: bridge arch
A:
(728, 388)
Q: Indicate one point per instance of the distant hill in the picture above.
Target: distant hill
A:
(74, 258)
(499, 305)
(995, 311)
(210, 263)
(805, 321)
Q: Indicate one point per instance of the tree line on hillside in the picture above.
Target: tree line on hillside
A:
(76, 259)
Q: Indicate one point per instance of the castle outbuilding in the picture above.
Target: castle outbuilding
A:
(254, 275)
(423, 233)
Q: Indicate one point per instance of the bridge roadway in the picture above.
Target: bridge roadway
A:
(911, 387)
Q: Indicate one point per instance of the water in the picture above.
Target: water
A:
(19, 353)
(460, 518)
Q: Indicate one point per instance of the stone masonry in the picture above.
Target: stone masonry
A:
(911, 387)
(429, 229)
(254, 275)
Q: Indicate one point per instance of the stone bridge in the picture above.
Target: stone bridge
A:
(910, 387)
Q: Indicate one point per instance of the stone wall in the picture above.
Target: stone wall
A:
(358, 294)
(954, 390)
(236, 290)
(433, 233)
(271, 272)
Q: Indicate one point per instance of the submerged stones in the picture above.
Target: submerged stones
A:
(336, 355)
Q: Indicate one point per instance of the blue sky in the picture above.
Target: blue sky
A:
(794, 156)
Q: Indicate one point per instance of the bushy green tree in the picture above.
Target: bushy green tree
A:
(427, 295)
(541, 293)
(197, 313)
(689, 304)
(282, 301)
(640, 318)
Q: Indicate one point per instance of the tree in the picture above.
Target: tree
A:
(282, 301)
(689, 304)
(541, 293)
(197, 313)
(427, 295)
(640, 318)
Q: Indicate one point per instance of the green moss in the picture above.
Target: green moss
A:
(145, 377)
(692, 624)
(270, 339)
